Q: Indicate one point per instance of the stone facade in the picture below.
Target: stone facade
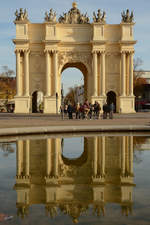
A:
(103, 52)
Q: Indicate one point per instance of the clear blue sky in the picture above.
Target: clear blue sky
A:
(37, 8)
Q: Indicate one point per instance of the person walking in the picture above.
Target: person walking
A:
(97, 109)
(111, 108)
(86, 109)
(70, 111)
(91, 111)
(105, 110)
(77, 110)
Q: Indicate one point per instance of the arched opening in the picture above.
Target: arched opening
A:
(111, 98)
(37, 102)
(77, 155)
(74, 82)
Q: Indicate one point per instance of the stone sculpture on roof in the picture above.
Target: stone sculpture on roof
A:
(21, 15)
(74, 16)
(100, 17)
(51, 16)
(127, 17)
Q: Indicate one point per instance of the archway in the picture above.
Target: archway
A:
(78, 83)
(37, 102)
(78, 154)
(111, 98)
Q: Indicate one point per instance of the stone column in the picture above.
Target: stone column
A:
(103, 157)
(123, 73)
(131, 154)
(123, 154)
(103, 74)
(55, 64)
(94, 73)
(131, 74)
(55, 158)
(127, 75)
(95, 157)
(48, 157)
(26, 72)
(48, 67)
(19, 157)
(27, 154)
(18, 77)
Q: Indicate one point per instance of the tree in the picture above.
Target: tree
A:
(7, 72)
(7, 83)
(71, 95)
(138, 81)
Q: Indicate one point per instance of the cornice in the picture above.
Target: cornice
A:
(20, 41)
(51, 41)
(132, 42)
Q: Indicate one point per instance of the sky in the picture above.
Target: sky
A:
(36, 11)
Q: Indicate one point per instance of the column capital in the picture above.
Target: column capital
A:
(47, 51)
(102, 52)
(18, 51)
(55, 51)
(95, 52)
(123, 52)
(22, 50)
(27, 50)
(131, 52)
(128, 51)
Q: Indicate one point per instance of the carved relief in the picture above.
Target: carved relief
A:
(73, 57)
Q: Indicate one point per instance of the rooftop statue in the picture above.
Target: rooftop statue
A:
(127, 17)
(51, 16)
(100, 17)
(22, 15)
(74, 16)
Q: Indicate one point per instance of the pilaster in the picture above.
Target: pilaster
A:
(55, 68)
(95, 73)
(26, 72)
(18, 76)
(123, 73)
(48, 75)
(131, 74)
(103, 78)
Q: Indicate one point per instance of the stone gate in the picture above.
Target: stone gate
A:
(102, 52)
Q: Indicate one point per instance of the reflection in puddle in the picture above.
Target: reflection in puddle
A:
(103, 173)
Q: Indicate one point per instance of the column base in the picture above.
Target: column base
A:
(127, 104)
(22, 104)
(51, 105)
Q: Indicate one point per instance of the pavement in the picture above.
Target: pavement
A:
(25, 124)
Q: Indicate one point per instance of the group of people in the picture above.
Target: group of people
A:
(87, 110)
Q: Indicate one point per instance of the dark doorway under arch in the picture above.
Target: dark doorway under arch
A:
(34, 102)
(111, 98)
(37, 102)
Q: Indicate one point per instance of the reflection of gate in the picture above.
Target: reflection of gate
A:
(34, 102)
(111, 98)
